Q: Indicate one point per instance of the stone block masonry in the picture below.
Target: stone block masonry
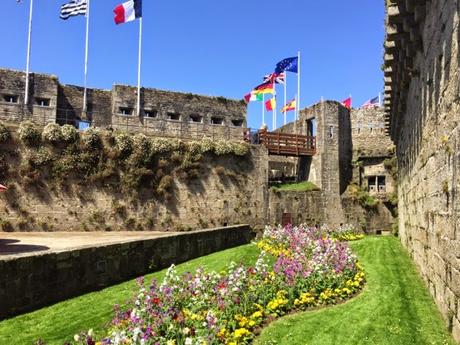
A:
(422, 101)
(163, 113)
(31, 281)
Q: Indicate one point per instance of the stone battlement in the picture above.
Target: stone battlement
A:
(166, 113)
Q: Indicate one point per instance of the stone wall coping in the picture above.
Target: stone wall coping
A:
(141, 236)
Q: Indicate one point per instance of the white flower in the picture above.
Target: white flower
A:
(186, 331)
(188, 341)
(76, 337)
(90, 332)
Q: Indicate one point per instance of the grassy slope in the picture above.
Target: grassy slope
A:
(305, 186)
(60, 322)
(395, 308)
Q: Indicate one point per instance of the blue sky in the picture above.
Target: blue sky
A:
(220, 48)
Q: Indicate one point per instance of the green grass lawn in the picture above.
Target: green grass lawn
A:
(305, 186)
(394, 308)
(58, 323)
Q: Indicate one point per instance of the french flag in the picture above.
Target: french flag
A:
(128, 11)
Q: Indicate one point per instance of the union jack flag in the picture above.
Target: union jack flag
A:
(372, 103)
(277, 78)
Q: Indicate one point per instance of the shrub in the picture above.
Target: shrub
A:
(161, 145)
(92, 139)
(6, 226)
(5, 134)
(223, 147)
(124, 144)
(207, 145)
(40, 158)
(240, 149)
(52, 133)
(141, 143)
(69, 134)
(29, 133)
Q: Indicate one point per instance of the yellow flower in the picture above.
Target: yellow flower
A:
(240, 333)
(171, 342)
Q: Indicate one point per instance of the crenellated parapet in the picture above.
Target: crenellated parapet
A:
(404, 24)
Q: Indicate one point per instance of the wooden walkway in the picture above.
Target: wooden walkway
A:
(287, 144)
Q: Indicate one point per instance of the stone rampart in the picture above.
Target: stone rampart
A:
(31, 281)
(422, 103)
(164, 113)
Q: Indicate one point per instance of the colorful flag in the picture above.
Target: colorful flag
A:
(289, 65)
(128, 11)
(73, 8)
(3, 188)
(346, 103)
(250, 97)
(263, 88)
(372, 103)
(289, 107)
(277, 78)
(270, 105)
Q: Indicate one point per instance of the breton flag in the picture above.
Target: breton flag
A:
(346, 103)
(277, 78)
(289, 65)
(128, 11)
(289, 107)
(372, 103)
(73, 8)
(270, 105)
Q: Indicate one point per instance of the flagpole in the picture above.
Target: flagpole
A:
(285, 96)
(380, 99)
(263, 109)
(139, 70)
(86, 57)
(29, 38)
(274, 108)
(298, 85)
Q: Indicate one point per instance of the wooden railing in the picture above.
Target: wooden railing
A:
(287, 144)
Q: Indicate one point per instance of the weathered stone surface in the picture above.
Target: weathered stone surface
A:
(30, 282)
(424, 123)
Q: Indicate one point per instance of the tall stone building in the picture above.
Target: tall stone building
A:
(422, 100)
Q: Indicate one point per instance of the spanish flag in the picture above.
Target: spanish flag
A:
(290, 106)
(270, 105)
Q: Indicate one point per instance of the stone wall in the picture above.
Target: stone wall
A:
(226, 190)
(178, 114)
(163, 113)
(304, 207)
(42, 97)
(422, 104)
(29, 282)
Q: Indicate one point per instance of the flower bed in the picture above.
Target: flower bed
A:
(298, 268)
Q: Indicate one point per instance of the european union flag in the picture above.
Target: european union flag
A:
(289, 64)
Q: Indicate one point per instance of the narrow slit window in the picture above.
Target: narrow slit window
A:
(196, 118)
(331, 132)
(217, 121)
(42, 102)
(150, 113)
(125, 111)
(237, 122)
(10, 98)
(174, 116)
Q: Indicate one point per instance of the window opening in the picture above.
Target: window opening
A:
(217, 121)
(10, 98)
(125, 111)
(196, 118)
(42, 102)
(237, 123)
(173, 116)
